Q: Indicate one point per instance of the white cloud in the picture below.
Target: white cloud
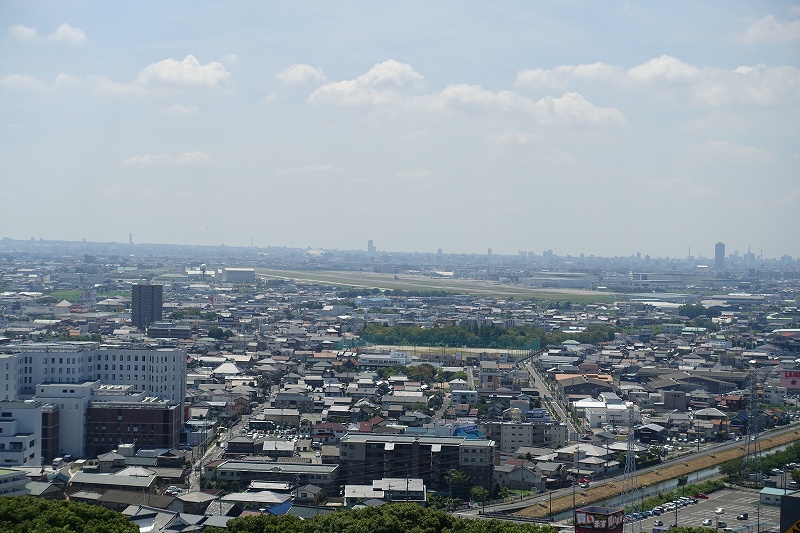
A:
(414, 175)
(301, 74)
(271, 98)
(729, 150)
(179, 110)
(474, 96)
(64, 33)
(145, 160)
(564, 74)
(379, 86)
(194, 158)
(513, 137)
(759, 85)
(307, 169)
(186, 73)
(574, 108)
(23, 82)
(664, 68)
(771, 30)
(184, 159)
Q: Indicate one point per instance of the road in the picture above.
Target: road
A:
(535, 498)
(556, 402)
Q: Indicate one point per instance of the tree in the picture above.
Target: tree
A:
(479, 494)
(459, 483)
(389, 518)
(682, 481)
(28, 513)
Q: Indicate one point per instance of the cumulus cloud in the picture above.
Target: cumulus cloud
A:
(184, 159)
(414, 175)
(771, 30)
(194, 158)
(664, 68)
(379, 85)
(301, 74)
(385, 84)
(64, 34)
(179, 110)
(759, 85)
(475, 96)
(23, 82)
(186, 73)
(307, 169)
(564, 74)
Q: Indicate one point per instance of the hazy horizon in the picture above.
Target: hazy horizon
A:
(605, 129)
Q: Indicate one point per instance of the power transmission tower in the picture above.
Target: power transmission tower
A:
(629, 488)
(750, 469)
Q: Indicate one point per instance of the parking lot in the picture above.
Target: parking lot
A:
(734, 503)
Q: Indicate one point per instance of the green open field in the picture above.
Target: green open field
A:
(409, 282)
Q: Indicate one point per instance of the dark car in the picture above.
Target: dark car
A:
(722, 524)
(742, 516)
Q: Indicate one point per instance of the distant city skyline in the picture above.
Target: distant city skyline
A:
(599, 128)
(640, 255)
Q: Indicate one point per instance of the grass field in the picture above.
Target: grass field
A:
(603, 492)
(408, 282)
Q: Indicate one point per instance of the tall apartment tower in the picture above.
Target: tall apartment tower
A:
(719, 256)
(146, 304)
(371, 247)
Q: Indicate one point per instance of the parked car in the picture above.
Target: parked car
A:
(658, 523)
(584, 485)
(742, 516)
(722, 524)
(708, 522)
(702, 496)
(719, 510)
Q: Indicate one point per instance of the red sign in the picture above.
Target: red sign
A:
(790, 379)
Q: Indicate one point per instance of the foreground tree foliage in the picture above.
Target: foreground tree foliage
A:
(394, 518)
(28, 514)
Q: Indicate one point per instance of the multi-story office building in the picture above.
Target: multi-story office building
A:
(365, 457)
(146, 304)
(719, 256)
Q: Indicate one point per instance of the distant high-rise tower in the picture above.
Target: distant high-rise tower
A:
(489, 252)
(146, 304)
(370, 247)
(130, 238)
(719, 256)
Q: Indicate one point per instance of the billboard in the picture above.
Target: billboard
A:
(596, 517)
(790, 379)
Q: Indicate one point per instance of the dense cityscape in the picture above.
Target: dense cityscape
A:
(201, 384)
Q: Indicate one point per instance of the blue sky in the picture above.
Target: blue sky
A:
(603, 128)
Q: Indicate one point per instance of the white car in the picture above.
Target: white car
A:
(708, 522)
(719, 510)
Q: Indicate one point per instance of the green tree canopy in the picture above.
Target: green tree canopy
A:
(37, 515)
(390, 518)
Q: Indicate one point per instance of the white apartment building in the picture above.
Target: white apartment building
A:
(20, 433)
(611, 414)
(157, 371)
